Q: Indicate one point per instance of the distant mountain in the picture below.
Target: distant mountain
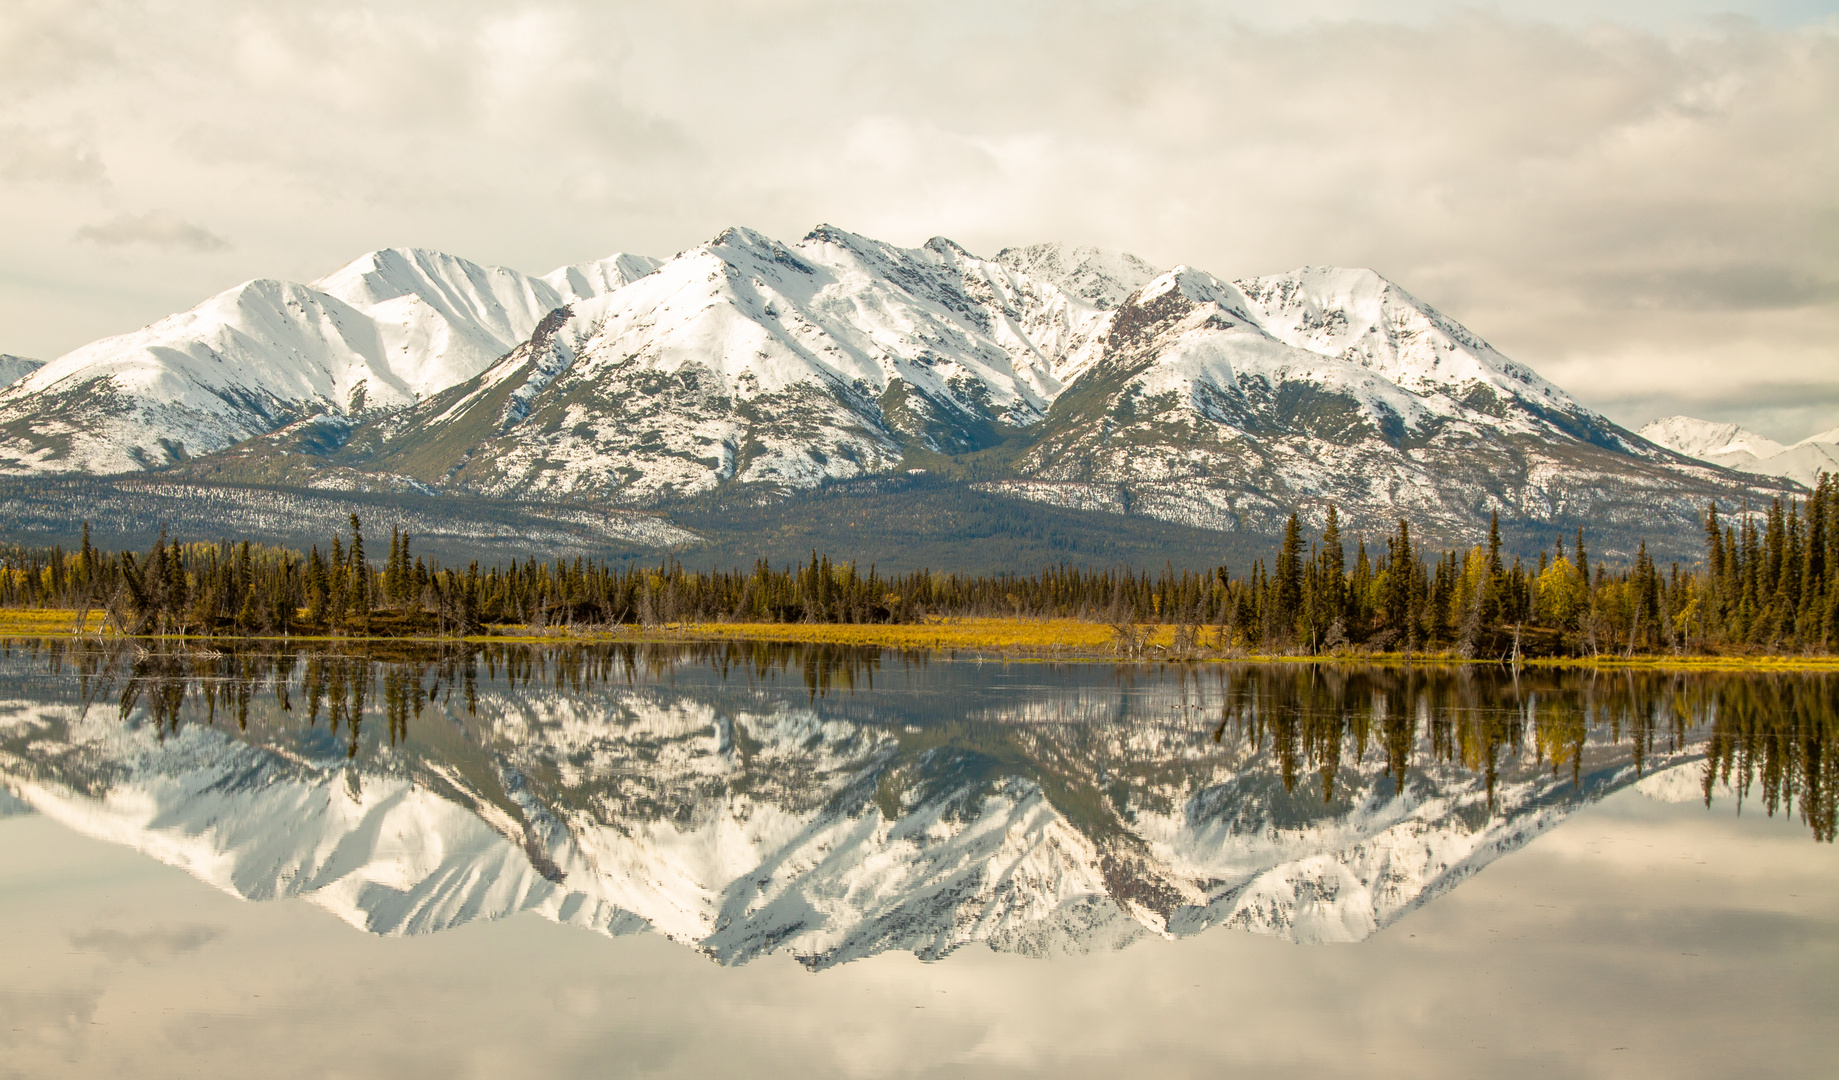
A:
(1745, 451)
(14, 368)
(1703, 438)
(749, 369)
(584, 281)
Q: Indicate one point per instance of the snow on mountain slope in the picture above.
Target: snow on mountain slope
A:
(747, 360)
(235, 366)
(1101, 278)
(1095, 383)
(1228, 405)
(584, 281)
(441, 319)
(381, 332)
(1703, 438)
(14, 368)
(1745, 451)
(1359, 317)
(1803, 462)
(1075, 376)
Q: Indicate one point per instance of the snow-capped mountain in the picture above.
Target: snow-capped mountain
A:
(747, 361)
(1734, 447)
(14, 368)
(750, 817)
(379, 333)
(1229, 404)
(1064, 375)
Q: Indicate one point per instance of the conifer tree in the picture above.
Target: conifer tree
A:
(360, 599)
(1288, 582)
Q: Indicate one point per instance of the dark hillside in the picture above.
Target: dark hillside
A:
(907, 522)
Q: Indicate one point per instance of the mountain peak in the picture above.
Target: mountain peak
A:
(740, 236)
(1358, 315)
(860, 249)
(826, 233)
(386, 269)
(380, 332)
(14, 368)
(1703, 439)
(1197, 286)
(740, 242)
(584, 281)
(947, 247)
(1100, 277)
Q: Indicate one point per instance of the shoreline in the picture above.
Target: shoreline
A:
(1003, 639)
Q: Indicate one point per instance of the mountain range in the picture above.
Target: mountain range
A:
(1745, 451)
(748, 371)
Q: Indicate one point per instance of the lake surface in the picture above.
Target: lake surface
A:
(772, 860)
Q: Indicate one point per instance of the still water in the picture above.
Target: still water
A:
(768, 860)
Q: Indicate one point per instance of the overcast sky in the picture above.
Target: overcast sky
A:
(1645, 209)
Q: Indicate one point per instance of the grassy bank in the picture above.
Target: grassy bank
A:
(48, 622)
(1008, 638)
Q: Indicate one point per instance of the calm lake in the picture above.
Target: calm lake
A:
(762, 860)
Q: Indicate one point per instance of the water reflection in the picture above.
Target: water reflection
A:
(836, 803)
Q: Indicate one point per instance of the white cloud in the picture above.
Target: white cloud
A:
(154, 228)
(1614, 204)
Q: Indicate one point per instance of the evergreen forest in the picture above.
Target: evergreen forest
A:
(1768, 582)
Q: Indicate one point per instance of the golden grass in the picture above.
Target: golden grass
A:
(1011, 637)
(1694, 663)
(1043, 636)
(47, 622)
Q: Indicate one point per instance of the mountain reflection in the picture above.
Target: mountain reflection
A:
(835, 803)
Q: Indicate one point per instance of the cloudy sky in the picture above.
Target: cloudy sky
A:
(1643, 204)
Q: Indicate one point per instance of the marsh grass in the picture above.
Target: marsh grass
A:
(1019, 638)
(49, 622)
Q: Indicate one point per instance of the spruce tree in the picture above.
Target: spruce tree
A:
(1711, 611)
(89, 561)
(1334, 571)
(1289, 581)
(1491, 586)
(360, 599)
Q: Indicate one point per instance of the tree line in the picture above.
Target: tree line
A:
(1769, 581)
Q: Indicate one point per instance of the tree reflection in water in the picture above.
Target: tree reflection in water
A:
(746, 798)
(1766, 736)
